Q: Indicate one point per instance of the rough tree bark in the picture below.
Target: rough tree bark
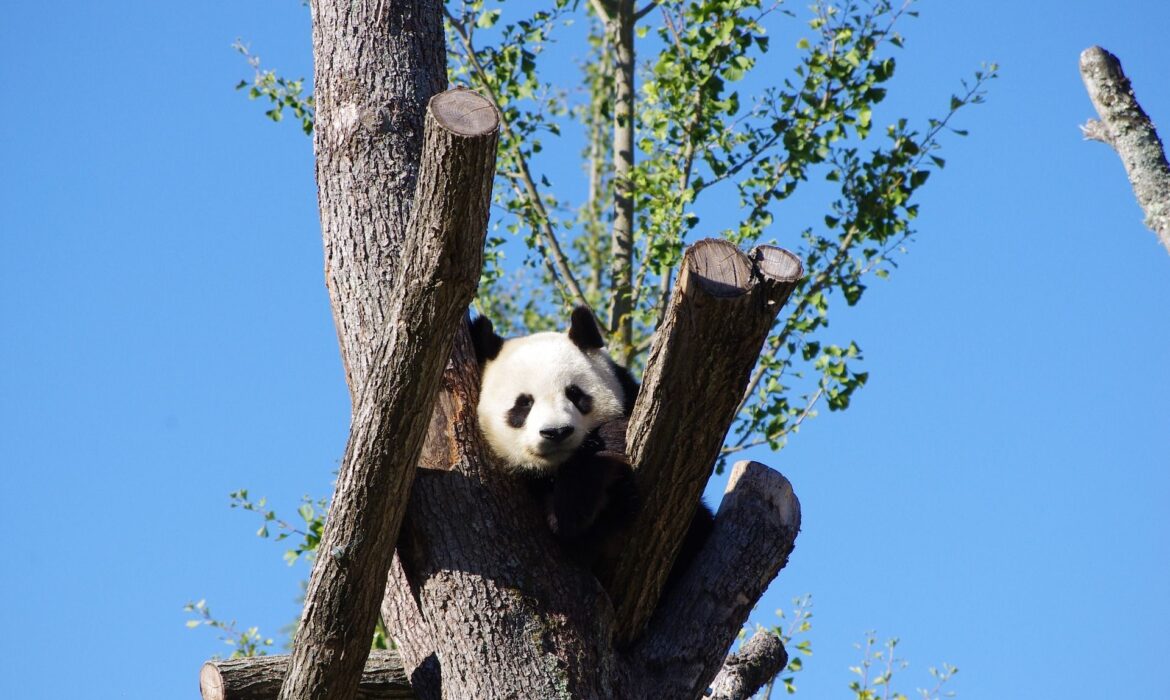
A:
(719, 315)
(259, 678)
(1125, 126)
(747, 670)
(438, 274)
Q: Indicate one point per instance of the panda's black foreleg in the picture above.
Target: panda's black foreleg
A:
(593, 502)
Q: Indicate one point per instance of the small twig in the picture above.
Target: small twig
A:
(560, 267)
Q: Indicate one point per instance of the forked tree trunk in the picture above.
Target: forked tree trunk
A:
(479, 598)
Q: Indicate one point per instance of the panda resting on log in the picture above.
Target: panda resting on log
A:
(553, 408)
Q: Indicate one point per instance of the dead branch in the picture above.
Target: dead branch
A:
(438, 275)
(259, 678)
(718, 318)
(1127, 128)
(689, 635)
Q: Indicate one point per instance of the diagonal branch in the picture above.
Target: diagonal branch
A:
(1127, 128)
(755, 530)
(719, 315)
(437, 279)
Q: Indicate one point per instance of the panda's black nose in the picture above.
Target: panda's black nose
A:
(556, 434)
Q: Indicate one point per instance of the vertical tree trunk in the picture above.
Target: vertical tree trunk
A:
(376, 65)
(621, 27)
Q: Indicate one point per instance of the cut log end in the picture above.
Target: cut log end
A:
(719, 268)
(211, 682)
(752, 479)
(464, 112)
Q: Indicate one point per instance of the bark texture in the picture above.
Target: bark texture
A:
(620, 25)
(438, 273)
(1125, 126)
(259, 678)
(376, 65)
(702, 356)
(747, 670)
(691, 631)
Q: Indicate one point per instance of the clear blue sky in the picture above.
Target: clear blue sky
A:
(996, 496)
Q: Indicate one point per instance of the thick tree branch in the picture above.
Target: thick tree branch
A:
(1127, 128)
(719, 315)
(692, 630)
(746, 671)
(259, 677)
(438, 275)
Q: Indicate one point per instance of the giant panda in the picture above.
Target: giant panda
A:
(553, 409)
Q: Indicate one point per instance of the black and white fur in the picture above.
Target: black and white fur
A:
(553, 409)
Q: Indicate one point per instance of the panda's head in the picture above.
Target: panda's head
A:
(542, 394)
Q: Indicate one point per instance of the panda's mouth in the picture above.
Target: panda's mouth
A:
(551, 454)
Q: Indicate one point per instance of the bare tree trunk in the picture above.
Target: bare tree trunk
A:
(749, 669)
(1125, 126)
(438, 275)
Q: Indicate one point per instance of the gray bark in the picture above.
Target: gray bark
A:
(437, 276)
(1125, 126)
(259, 678)
(376, 65)
(702, 356)
(691, 631)
(746, 671)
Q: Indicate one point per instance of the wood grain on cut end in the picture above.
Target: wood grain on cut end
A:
(719, 267)
(777, 264)
(758, 481)
(210, 682)
(464, 112)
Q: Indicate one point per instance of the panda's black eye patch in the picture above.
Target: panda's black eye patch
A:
(518, 413)
(583, 401)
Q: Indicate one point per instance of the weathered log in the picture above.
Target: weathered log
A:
(437, 278)
(719, 315)
(259, 678)
(1127, 128)
(690, 633)
(746, 671)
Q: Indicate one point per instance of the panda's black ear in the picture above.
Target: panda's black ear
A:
(484, 339)
(583, 330)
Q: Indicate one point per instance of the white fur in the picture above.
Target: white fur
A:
(543, 365)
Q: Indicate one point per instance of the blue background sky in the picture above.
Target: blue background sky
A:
(996, 496)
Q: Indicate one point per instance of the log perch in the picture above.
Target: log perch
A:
(437, 278)
(259, 678)
(755, 531)
(1127, 128)
(718, 318)
(746, 671)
